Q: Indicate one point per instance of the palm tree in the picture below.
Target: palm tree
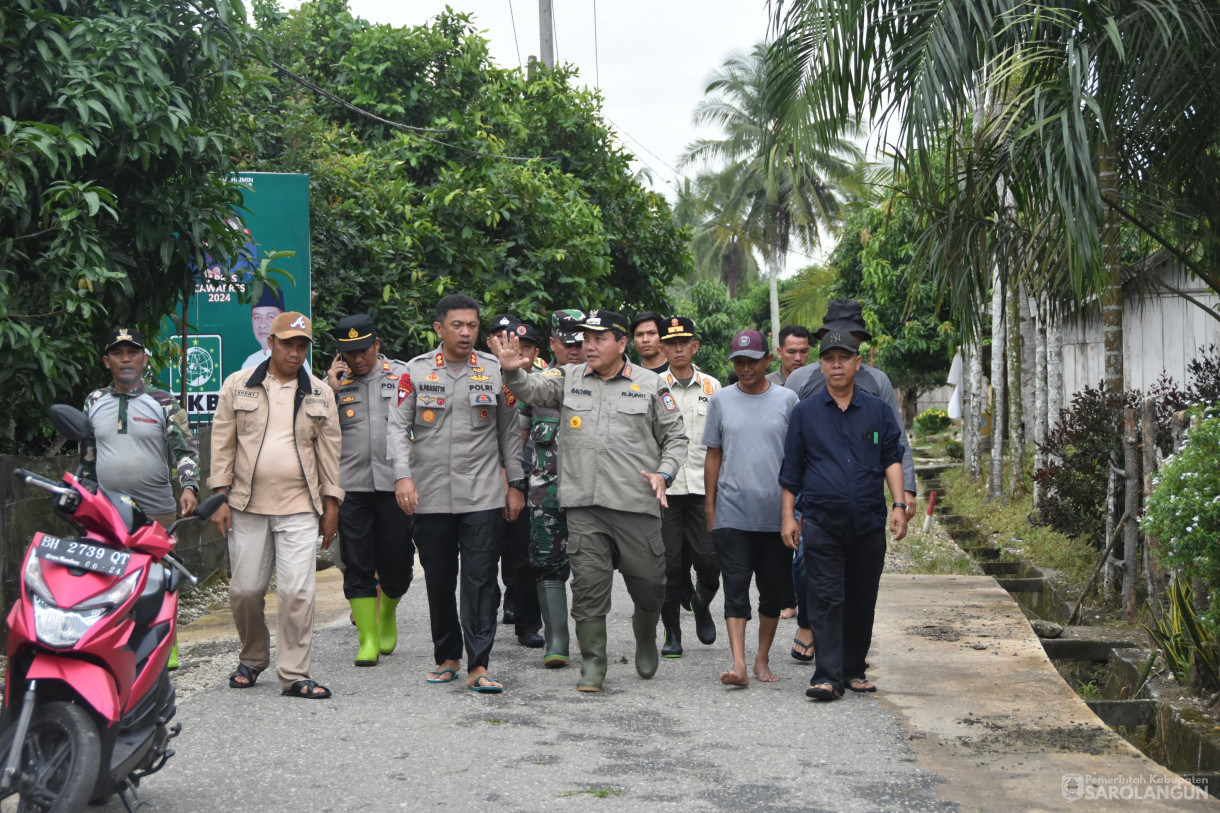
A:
(719, 253)
(777, 183)
(1089, 115)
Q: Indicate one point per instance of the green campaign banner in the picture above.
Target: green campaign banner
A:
(226, 335)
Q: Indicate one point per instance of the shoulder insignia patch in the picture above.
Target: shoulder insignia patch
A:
(553, 372)
(405, 388)
(385, 366)
(668, 402)
(510, 399)
(474, 358)
(707, 387)
(438, 360)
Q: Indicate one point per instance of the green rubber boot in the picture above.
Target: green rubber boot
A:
(387, 624)
(364, 610)
(553, 601)
(644, 625)
(592, 635)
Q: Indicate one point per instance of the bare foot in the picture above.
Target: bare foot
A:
(735, 677)
(762, 671)
(788, 612)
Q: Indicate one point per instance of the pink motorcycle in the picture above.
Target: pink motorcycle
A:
(87, 696)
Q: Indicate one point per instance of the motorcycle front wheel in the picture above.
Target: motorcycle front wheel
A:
(60, 759)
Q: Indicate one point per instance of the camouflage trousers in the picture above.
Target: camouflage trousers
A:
(549, 544)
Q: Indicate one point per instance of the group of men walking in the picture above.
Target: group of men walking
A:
(581, 465)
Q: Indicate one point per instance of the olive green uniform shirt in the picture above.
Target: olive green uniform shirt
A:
(609, 431)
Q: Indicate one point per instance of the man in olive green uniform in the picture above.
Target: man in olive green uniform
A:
(376, 541)
(623, 441)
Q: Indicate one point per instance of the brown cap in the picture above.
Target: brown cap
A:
(292, 324)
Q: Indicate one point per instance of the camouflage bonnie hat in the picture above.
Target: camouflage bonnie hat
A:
(564, 325)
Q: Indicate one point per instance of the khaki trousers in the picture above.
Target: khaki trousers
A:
(600, 539)
(256, 544)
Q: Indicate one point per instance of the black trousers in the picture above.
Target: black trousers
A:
(473, 539)
(684, 528)
(376, 545)
(761, 554)
(843, 573)
(518, 573)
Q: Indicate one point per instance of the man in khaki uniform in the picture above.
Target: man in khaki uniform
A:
(622, 441)
(457, 461)
(684, 522)
(275, 452)
(377, 551)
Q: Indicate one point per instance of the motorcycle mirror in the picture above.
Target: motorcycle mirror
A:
(209, 506)
(70, 422)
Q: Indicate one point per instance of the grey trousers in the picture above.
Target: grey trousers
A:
(600, 539)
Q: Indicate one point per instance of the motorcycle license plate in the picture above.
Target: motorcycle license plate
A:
(75, 553)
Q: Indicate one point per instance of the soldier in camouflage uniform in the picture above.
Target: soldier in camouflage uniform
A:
(548, 526)
(139, 436)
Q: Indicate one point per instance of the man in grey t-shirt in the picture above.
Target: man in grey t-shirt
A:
(744, 434)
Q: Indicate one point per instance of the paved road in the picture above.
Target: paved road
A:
(970, 716)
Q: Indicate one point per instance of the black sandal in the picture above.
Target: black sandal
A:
(248, 672)
(859, 684)
(305, 689)
(818, 691)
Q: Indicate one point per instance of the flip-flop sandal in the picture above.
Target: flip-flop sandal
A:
(440, 676)
(859, 685)
(248, 672)
(819, 691)
(800, 656)
(489, 687)
(305, 689)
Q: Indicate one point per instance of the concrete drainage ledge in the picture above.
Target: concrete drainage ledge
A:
(1175, 734)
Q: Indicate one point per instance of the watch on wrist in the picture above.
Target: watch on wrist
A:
(901, 505)
(668, 478)
(521, 485)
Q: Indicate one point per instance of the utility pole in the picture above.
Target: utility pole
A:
(546, 33)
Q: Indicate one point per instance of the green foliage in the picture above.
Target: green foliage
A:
(401, 219)
(931, 421)
(1183, 640)
(954, 449)
(718, 318)
(1183, 511)
(913, 336)
(117, 130)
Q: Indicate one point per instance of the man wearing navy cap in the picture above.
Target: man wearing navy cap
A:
(623, 441)
(376, 545)
(842, 446)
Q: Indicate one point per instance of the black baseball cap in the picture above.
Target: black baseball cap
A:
(600, 321)
(838, 339)
(678, 327)
(525, 332)
(502, 322)
(123, 335)
(355, 332)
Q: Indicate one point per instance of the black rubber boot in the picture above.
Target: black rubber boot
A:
(644, 625)
(592, 635)
(671, 619)
(705, 627)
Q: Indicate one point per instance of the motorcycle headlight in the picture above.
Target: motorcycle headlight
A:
(115, 595)
(58, 627)
(34, 581)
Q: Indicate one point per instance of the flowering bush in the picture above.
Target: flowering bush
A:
(1183, 512)
(931, 421)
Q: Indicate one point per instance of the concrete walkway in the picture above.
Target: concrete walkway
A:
(970, 715)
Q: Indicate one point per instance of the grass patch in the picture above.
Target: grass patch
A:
(1038, 545)
(930, 556)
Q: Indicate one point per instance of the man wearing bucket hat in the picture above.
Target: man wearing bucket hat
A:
(377, 550)
(623, 441)
(842, 446)
(275, 452)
